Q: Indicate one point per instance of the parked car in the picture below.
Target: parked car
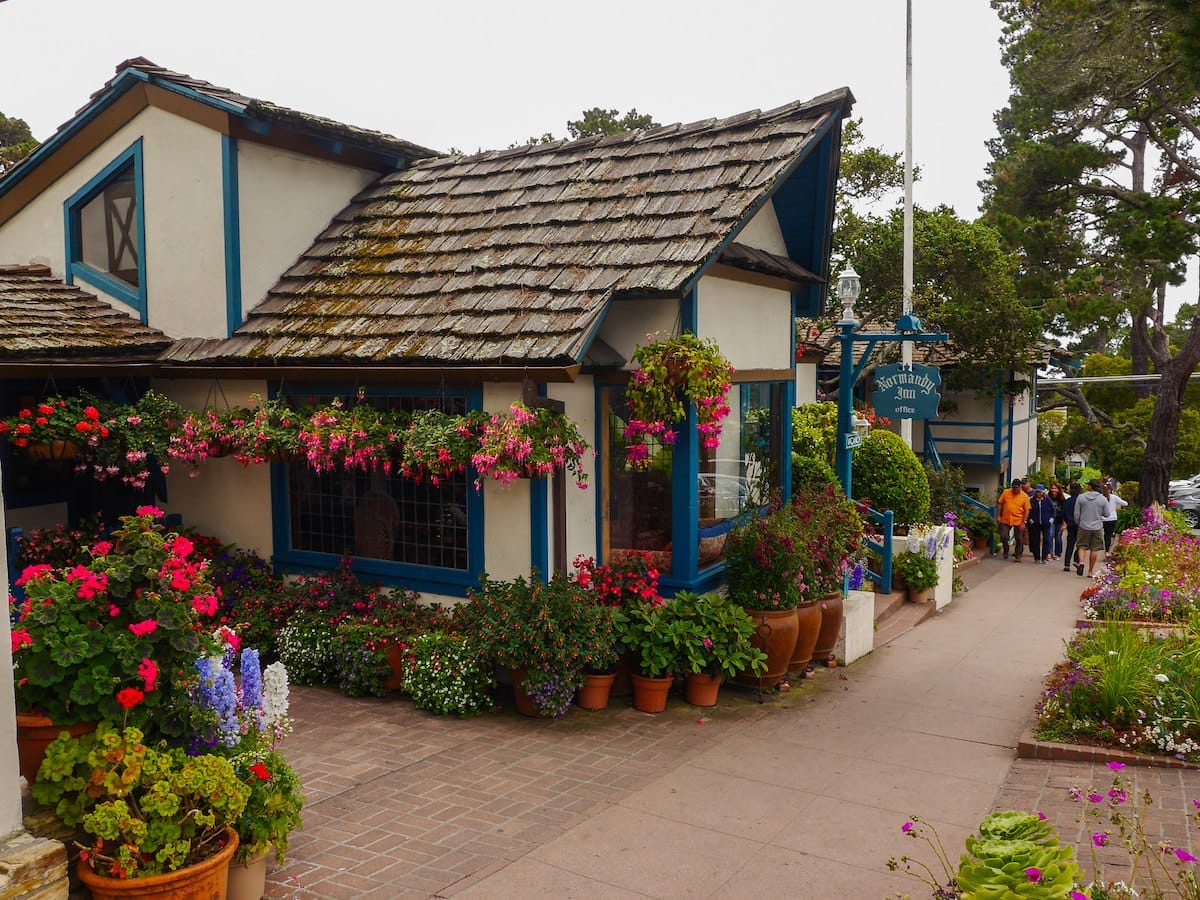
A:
(1185, 485)
(1189, 505)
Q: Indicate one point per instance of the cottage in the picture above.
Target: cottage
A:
(181, 236)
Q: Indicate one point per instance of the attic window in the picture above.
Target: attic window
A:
(106, 231)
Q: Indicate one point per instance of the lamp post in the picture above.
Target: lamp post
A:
(849, 285)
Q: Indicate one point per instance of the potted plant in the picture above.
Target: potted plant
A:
(201, 437)
(653, 631)
(269, 431)
(358, 436)
(675, 374)
(438, 444)
(918, 571)
(444, 674)
(142, 437)
(716, 642)
(116, 639)
(57, 428)
(154, 813)
(528, 443)
(983, 528)
(550, 632)
(764, 567)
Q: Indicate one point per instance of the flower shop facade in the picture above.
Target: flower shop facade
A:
(412, 282)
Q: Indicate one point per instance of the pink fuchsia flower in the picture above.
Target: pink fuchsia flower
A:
(708, 644)
(1041, 815)
(1184, 856)
(1034, 874)
(1116, 766)
(906, 827)
(1100, 838)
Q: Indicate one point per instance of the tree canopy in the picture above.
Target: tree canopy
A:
(1095, 182)
(16, 142)
(597, 121)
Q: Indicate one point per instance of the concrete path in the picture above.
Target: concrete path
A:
(809, 802)
(802, 796)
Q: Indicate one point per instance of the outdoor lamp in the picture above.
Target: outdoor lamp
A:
(861, 425)
(849, 286)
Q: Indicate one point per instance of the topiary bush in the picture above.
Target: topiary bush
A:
(889, 475)
(814, 431)
(808, 472)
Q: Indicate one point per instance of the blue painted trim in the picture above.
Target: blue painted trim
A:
(835, 116)
(822, 212)
(998, 428)
(75, 267)
(539, 519)
(429, 579)
(785, 441)
(594, 330)
(689, 311)
(231, 205)
(685, 501)
(599, 437)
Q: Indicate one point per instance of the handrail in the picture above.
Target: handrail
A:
(883, 546)
(931, 449)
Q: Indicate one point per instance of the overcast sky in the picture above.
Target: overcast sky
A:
(472, 74)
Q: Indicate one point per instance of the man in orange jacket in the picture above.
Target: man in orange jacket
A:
(1012, 511)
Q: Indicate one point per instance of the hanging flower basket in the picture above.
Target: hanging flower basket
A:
(438, 444)
(675, 375)
(358, 436)
(529, 443)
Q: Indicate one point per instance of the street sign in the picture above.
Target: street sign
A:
(907, 392)
(851, 439)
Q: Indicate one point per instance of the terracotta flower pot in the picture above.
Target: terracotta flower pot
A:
(206, 880)
(595, 691)
(650, 694)
(808, 625)
(702, 689)
(832, 608)
(35, 733)
(521, 699)
(775, 634)
(396, 660)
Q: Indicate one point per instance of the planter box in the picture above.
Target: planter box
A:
(857, 637)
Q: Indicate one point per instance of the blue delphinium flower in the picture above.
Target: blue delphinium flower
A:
(252, 696)
(218, 692)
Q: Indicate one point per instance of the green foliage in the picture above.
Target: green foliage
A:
(945, 491)
(306, 648)
(715, 636)
(273, 806)
(655, 634)
(360, 658)
(915, 570)
(814, 431)
(597, 122)
(150, 809)
(526, 623)
(444, 674)
(888, 474)
(16, 142)
(994, 866)
(981, 524)
(811, 473)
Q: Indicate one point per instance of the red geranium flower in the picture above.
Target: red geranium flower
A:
(130, 697)
(261, 772)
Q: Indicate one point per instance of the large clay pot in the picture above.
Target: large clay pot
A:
(702, 689)
(395, 681)
(808, 622)
(248, 880)
(832, 609)
(650, 694)
(206, 880)
(35, 733)
(775, 634)
(595, 691)
(522, 700)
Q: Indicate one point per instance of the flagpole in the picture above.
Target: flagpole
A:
(906, 347)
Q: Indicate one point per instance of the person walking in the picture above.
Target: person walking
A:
(1089, 517)
(1073, 492)
(1060, 523)
(1012, 511)
(1113, 502)
(1041, 525)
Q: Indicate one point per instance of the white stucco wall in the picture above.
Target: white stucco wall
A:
(286, 199)
(1024, 440)
(224, 499)
(185, 244)
(763, 232)
(629, 322)
(506, 516)
(806, 383)
(752, 324)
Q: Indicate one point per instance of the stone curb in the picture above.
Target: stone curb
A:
(1029, 747)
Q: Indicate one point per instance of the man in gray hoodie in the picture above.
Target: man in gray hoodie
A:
(1090, 510)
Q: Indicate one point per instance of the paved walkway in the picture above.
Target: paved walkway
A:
(801, 796)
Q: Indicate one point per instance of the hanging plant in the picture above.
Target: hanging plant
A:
(676, 373)
(144, 431)
(268, 431)
(351, 437)
(202, 436)
(525, 443)
(438, 444)
(65, 424)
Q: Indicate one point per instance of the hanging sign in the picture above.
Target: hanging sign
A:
(907, 392)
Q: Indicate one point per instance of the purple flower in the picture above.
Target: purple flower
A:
(1095, 798)
(252, 698)
(1034, 874)
(906, 827)
(1100, 839)
(1116, 766)
(218, 693)
(1075, 895)
(1041, 815)
(1184, 856)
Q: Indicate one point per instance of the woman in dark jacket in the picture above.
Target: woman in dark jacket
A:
(1060, 501)
(1074, 490)
(1041, 524)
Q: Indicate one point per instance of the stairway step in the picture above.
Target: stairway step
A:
(907, 617)
(886, 604)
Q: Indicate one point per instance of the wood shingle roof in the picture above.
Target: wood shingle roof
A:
(41, 318)
(510, 257)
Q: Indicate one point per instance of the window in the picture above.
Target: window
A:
(106, 231)
(424, 536)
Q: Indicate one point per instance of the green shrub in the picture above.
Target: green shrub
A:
(1128, 492)
(916, 570)
(810, 472)
(1041, 476)
(889, 475)
(814, 431)
(306, 649)
(945, 491)
(444, 675)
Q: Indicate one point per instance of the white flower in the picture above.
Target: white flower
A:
(275, 694)
(1161, 678)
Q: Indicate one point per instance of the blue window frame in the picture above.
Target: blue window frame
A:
(399, 531)
(105, 228)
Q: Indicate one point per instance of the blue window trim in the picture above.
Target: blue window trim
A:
(425, 579)
(233, 233)
(75, 267)
(539, 521)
